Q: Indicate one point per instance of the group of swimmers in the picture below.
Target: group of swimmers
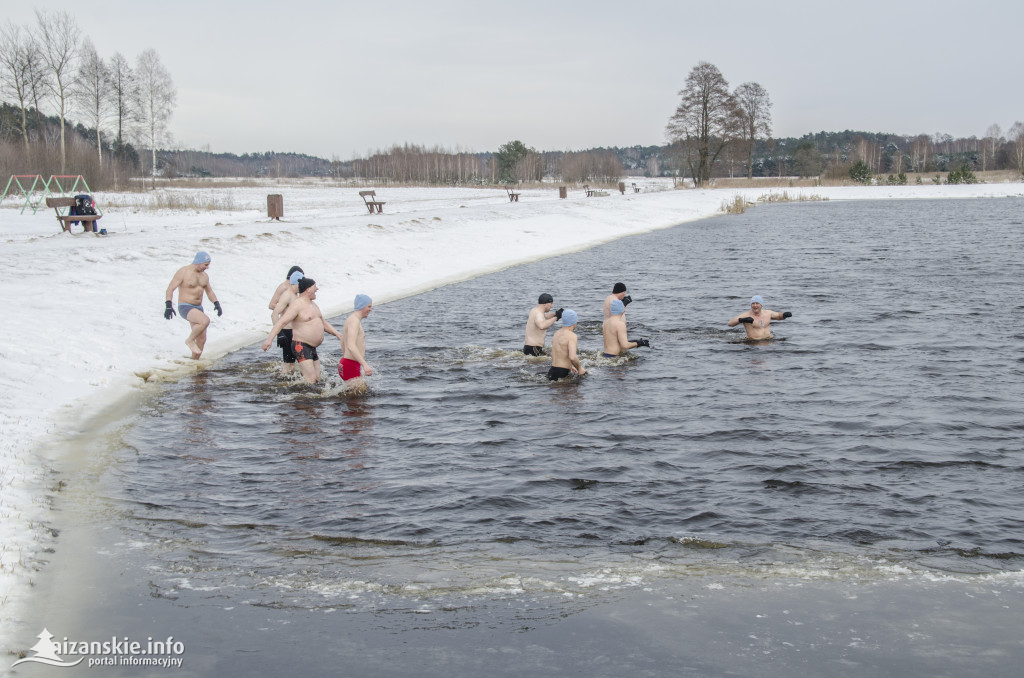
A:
(299, 326)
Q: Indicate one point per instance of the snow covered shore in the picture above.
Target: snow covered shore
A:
(90, 329)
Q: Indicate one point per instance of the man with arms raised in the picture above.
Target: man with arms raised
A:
(758, 321)
(308, 327)
(353, 342)
(192, 282)
(541, 318)
(564, 360)
(614, 331)
(284, 338)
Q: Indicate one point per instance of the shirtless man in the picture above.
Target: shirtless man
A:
(192, 282)
(353, 344)
(614, 331)
(541, 318)
(618, 292)
(564, 360)
(308, 328)
(280, 290)
(284, 338)
(758, 321)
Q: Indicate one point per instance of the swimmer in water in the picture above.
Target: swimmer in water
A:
(284, 337)
(564, 360)
(308, 328)
(618, 292)
(758, 321)
(353, 366)
(541, 318)
(192, 282)
(614, 331)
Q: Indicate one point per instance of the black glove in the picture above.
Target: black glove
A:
(168, 311)
(641, 342)
(216, 305)
(558, 313)
(627, 300)
(787, 314)
(746, 319)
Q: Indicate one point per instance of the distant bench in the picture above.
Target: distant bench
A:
(588, 191)
(372, 204)
(88, 220)
(512, 197)
(636, 189)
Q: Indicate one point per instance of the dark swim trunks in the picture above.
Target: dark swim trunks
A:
(304, 352)
(533, 350)
(284, 341)
(556, 373)
(609, 355)
(183, 310)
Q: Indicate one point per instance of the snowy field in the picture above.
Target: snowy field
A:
(92, 332)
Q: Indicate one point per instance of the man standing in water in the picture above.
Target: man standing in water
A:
(192, 282)
(541, 318)
(308, 328)
(280, 290)
(284, 338)
(353, 343)
(619, 293)
(564, 360)
(758, 321)
(614, 331)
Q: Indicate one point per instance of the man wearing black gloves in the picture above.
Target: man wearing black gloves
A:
(541, 318)
(758, 321)
(192, 282)
(614, 331)
(618, 292)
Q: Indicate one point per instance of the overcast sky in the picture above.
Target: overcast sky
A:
(340, 78)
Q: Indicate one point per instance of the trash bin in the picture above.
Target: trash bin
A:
(275, 206)
(562, 192)
(622, 187)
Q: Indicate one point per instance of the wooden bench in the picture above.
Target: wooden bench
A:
(636, 189)
(588, 191)
(512, 197)
(373, 205)
(88, 220)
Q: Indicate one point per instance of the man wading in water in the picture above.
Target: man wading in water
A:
(353, 366)
(563, 349)
(541, 318)
(191, 282)
(308, 328)
(758, 321)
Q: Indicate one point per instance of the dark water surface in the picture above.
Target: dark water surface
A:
(877, 441)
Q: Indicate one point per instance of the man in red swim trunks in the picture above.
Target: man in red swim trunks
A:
(353, 343)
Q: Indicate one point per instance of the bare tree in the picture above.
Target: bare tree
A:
(124, 99)
(19, 70)
(93, 92)
(1016, 134)
(58, 45)
(707, 120)
(993, 135)
(156, 97)
(756, 106)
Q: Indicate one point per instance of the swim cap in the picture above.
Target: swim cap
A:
(756, 299)
(569, 318)
(201, 258)
(305, 284)
(295, 277)
(545, 299)
(292, 270)
(619, 287)
(361, 302)
(617, 307)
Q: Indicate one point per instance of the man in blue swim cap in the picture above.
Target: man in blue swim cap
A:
(757, 322)
(353, 367)
(614, 332)
(564, 360)
(192, 282)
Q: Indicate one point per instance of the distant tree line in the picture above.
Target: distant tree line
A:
(51, 66)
